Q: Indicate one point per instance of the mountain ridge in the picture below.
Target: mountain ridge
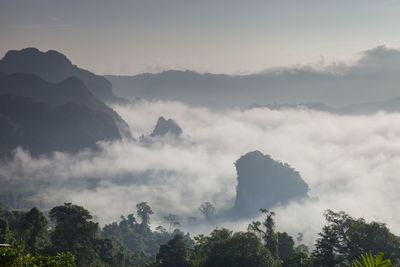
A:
(55, 67)
(41, 128)
(70, 90)
(371, 78)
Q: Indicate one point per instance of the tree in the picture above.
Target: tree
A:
(74, 232)
(112, 230)
(344, 238)
(325, 248)
(172, 220)
(225, 249)
(5, 235)
(144, 211)
(34, 227)
(266, 231)
(285, 245)
(174, 254)
(15, 219)
(207, 209)
(131, 221)
(299, 257)
(107, 251)
(16, 256)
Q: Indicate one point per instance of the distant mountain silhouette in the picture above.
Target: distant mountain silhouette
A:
(374, 77)
(164, 127)
(71, 90)
(264, 183)
(55, 67)
(42, 128)
(222, 91)
(391, 105)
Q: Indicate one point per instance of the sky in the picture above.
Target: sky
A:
(236, 37)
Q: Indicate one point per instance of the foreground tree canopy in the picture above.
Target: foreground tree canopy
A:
(72, 238)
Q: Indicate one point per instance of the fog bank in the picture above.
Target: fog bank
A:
(348, 162)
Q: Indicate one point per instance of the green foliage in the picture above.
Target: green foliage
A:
(367, 260)
(174, 254)
(325, 248)
(223, 248)
(344, 238)
(16, 256)
(107, 252)
(130, 243)
(5, 234)
(299, 257)
(15, 220)
(144, 211)
(266, 231)
(34, 227)
(141, 244)
(74, 232)
(285, 245)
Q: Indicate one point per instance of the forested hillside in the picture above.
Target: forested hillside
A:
(67, 236)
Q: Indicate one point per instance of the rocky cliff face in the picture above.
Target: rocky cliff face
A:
(264, 183)
(164, 127)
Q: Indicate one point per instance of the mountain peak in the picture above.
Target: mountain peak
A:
(164, 127)
(72, 81)
(39, 57)
(264, 182)
(54, 67)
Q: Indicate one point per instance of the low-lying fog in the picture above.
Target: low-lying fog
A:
(349, 162)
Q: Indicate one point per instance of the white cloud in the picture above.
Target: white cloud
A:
(349, 162)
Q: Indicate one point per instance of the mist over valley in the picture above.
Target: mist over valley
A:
(191, 134)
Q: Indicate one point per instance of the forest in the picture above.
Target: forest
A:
(199, 133)
(67, 235)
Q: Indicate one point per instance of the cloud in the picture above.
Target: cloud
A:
(373, 77)
(349, 162)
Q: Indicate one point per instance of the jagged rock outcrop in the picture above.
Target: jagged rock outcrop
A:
(164, 127)
(264, 183)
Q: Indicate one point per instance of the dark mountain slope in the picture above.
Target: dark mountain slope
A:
(41, 128)
(54, 67)
(71, 90)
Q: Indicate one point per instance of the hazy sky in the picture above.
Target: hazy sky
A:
(128, 37)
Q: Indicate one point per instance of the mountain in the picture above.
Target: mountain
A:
(391, 105)
(224, 91)
(164, 127)
(264, 183)
(42, 128)
(71, 90)
(186, 86)
(373, 78)
(55, 67)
